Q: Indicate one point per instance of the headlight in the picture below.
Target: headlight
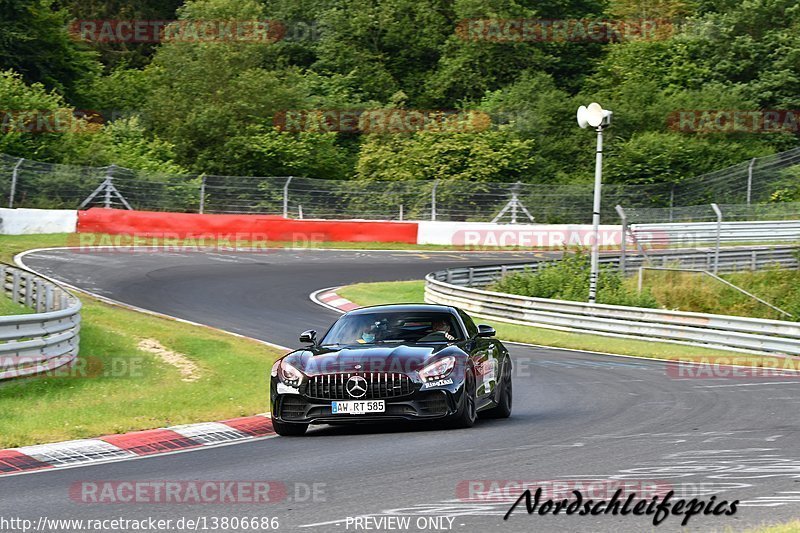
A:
(289, 374)
(439, 369)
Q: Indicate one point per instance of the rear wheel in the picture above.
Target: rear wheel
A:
(286, 429)
(467, 410)
(503, 407)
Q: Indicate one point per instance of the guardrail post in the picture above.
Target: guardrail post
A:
(15, 296)
(753, 260)
(449, 276)
(38, 301)
(717, 210)
(470, 276)
(28, 292)
(48, 298)
(641, 279)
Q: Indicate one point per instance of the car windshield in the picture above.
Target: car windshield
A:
(406, 327)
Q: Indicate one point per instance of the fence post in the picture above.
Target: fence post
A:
(433, 199)
(671, 201)
(286, 197)
(401, 212)
(623, 248)
(717, 210)
(14, 176)
(202, 193)
(750, 179)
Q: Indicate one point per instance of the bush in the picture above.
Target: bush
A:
(568, 279)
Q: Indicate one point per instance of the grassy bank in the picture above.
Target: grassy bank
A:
(117, 386)
(700, 293)
(413, 292)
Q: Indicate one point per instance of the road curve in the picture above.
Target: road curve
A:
(577, 416)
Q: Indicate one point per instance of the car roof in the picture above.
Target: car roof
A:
(403, 308)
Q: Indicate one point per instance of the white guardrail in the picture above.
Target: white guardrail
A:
(707, 232)
(43, 340)
(457, 287)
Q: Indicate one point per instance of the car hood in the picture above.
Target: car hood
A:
(403, 358)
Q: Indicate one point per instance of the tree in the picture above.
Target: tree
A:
(203, 94)
(34, 42)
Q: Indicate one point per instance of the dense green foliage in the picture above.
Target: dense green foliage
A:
(568, 279)
(210, 107)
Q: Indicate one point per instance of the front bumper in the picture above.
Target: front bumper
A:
(420, 405)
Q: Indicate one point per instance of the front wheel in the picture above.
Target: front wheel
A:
(467, 410)
(286, 429)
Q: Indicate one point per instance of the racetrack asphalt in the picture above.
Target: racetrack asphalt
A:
(577, 416)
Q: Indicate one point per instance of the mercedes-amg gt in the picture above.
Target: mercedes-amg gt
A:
(393, 362)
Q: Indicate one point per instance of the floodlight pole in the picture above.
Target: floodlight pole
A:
(598, 182)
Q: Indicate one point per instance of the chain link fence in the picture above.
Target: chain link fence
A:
(748, 191)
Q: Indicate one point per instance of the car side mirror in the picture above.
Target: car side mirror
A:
(486, 331)
(309, 337)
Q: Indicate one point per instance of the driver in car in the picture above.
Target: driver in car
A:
(367, 334)
(440, 330)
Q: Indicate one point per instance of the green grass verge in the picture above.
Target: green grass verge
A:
(413, 292)
(116, 387)
(7, 307)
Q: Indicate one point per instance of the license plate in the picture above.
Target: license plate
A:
(358, 407)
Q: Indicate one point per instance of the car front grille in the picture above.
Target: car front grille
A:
(293, 408)
(380, 385)
(433, 403)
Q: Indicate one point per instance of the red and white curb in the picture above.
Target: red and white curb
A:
(133, 445)
(328, 298)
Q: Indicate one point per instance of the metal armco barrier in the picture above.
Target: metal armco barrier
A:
(41, 341)
(457, 287)
(706, 232)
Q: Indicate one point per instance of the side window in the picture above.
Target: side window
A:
(472, 329)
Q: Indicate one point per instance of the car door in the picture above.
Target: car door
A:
(485, 358)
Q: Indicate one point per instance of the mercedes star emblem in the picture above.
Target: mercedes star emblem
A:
(356, 387)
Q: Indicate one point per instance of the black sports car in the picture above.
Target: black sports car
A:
(393, 362)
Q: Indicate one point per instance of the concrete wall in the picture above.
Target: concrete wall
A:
(30, 221)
